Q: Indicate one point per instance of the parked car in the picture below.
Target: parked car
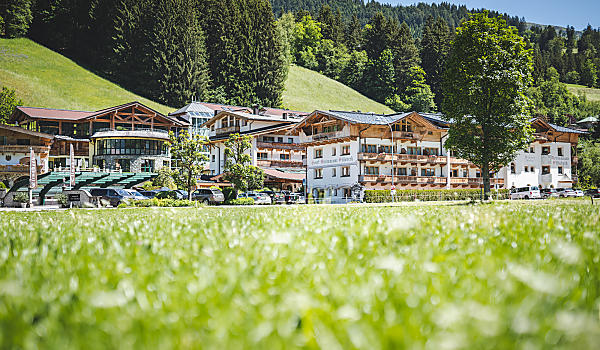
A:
(259, 198)
(578, 193)
(136, 195)
(528, 192)
(172, 194)
(291, 198)
(208, 195)
(276, 197)
(594, 192)
(549, 193)
(149, 194)
(114, 196)
(567, 192)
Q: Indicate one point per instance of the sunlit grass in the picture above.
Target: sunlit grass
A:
(590, 93)
(499, 276)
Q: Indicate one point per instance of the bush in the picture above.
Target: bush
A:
(384, 196)
(21, 197)
(228, 193)
(2, 186)
(155, 202)
(240, 201)
(62, 199)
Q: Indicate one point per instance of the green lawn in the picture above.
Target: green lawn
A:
(44, 78)
(499, 276)
(590, 93)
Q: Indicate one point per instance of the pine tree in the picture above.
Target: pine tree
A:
(331, 25)
(405, 54)
(435, 46)
(353, 34)
(378, 80)
(589, 73)
(377, 36)
(16, 16)
(179, 53)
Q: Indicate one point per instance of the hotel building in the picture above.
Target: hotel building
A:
(348, 152)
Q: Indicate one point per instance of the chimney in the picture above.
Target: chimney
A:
(255, 109)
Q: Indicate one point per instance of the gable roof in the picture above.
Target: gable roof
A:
(555, 127)
(250, 117)
(212, 107)
(52, 113)
(27, 132)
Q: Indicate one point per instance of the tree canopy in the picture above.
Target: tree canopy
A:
(488, 72)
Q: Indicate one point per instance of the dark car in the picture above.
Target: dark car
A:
(593, 192)
(291, 198)
(549, 193)
(173, 194)
(149, 194)
(208, 196)
(114, 196)
(276, 197)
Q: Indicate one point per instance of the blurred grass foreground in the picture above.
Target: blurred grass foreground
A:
(499, 276)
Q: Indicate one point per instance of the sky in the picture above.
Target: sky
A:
(577, 13)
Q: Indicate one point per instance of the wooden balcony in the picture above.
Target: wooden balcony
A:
(24, 148)
(426, 180)
(77, 153)
(228, 130)
(410, 158)
(407, 135)
(274, 163)
(279, 145)
(322, 137)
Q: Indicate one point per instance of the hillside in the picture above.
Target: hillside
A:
(307, 90)
(590, 93)
(44, 78)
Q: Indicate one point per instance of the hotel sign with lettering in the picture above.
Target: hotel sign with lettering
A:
(323, 162)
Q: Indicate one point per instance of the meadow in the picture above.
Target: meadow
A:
(484, 276)
(44, 78)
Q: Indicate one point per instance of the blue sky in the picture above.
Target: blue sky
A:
(577, 13)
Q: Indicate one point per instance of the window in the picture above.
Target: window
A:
(513, 169)
(560, 170)
(345, 150)
(526, 169)
(372, 170)
(413, 150)
(147, 166)
(23, 142)
(465, 173)
(560, 151)
(347, 193)
(401, 171)
(431, 151)
(454, 173)
(333, 172)
(545, 150)
(3, 141)
(404, 125)
(365, 149)
(478, 174)
(532, 169)
(284, 156)
(280, 139)
(123, 164)
(531, 149)
(345, 171)
(385, 149)
(427, 172)
(261, 155)
(545, 169)
(318, 153)
(318, 173)
(290, 140)
(268, 139)
(333, 150)
(132, 146)
(213, 158)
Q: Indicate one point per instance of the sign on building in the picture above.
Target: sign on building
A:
(32, 169)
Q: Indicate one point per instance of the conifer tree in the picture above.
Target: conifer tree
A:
(353, 34)
(379, 77)
(434, 51)
(405, 53)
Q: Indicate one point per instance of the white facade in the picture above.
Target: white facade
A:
(545, 164)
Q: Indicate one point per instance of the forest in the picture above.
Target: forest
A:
(239, 51)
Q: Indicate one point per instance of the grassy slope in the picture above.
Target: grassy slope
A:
(307, 90)
(47, 79)
(44, 78)
(590, 93)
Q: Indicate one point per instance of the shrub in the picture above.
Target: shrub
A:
(2, 186)
(384, 196)
(228, 193)
(62, 199)
(240, 201)
(155, 202)
(21, 197)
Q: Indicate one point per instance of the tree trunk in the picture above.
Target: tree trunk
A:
(189, 183)
(485, 173)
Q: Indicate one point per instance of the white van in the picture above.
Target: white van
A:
(529, 192)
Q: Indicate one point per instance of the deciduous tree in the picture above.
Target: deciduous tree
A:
(187, 150)
(238, 168)
(8, 102)
(488, 72)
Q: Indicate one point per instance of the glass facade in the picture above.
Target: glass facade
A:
(132, 146)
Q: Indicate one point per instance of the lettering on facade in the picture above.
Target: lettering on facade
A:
(333, 161)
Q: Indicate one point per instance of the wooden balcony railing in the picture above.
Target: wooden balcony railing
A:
(228, 130)
(437, 180)
(279, 145)
(279, 163)
(23, 148)
(18, 168)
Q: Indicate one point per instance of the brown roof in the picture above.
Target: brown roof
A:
(283, 175)
(50, 113)
(25, 131)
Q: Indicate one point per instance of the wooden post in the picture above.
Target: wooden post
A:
(60, 128)
(91, 128)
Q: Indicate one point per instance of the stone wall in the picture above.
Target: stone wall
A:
(110, 161)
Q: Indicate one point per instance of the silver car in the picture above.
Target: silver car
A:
(259, 197)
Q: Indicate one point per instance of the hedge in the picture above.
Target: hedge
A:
(155, 202)
(240, 201)
(383, 196)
